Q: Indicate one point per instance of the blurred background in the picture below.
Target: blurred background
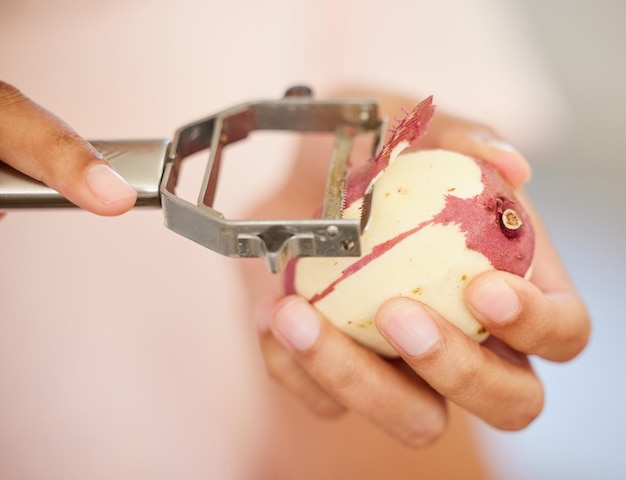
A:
(578, 186)
(125, 351)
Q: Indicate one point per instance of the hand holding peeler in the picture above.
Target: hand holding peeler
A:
(152, 167)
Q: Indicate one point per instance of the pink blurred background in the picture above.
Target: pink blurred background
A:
(125, 350)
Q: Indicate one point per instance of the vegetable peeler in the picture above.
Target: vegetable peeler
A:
(152, 167)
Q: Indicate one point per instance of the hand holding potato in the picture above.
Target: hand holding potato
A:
(438, 219)
(542, 316)
(40, 145)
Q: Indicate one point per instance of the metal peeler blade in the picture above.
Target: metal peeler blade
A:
(152, 167)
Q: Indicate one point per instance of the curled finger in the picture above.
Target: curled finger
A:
(544, 316)
(285, 369)
(357, 378)
(504, 393)
(549, 325)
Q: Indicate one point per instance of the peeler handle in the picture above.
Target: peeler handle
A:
(139, 162)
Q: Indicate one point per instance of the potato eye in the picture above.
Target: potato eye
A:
(510, 223)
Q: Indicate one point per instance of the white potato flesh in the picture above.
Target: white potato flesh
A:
(431, 264)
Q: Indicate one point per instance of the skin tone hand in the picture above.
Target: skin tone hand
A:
(40, 145)
(408, 397)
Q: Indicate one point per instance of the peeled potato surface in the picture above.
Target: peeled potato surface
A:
(439, 219)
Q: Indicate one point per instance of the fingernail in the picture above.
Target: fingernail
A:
(496, 300)
(410, 327)
(501, 145)
(298, 324)
(107, 185)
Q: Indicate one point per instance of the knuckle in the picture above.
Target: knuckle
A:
(579, 329)
(530, 343)
(326, 408)
(527, 408)
(425, 430)
(462, 381)
(344, 378)
(553, 336)
(65, 136)
(74, 152)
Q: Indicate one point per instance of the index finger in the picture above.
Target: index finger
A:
(40, 145)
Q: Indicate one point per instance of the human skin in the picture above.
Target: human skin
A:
(438, 211)
(330, 373)
(494, 381)
(42, 146)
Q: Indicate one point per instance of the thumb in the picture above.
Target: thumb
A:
(35, 142)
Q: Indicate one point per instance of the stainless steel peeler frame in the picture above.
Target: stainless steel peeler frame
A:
(152, 167)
